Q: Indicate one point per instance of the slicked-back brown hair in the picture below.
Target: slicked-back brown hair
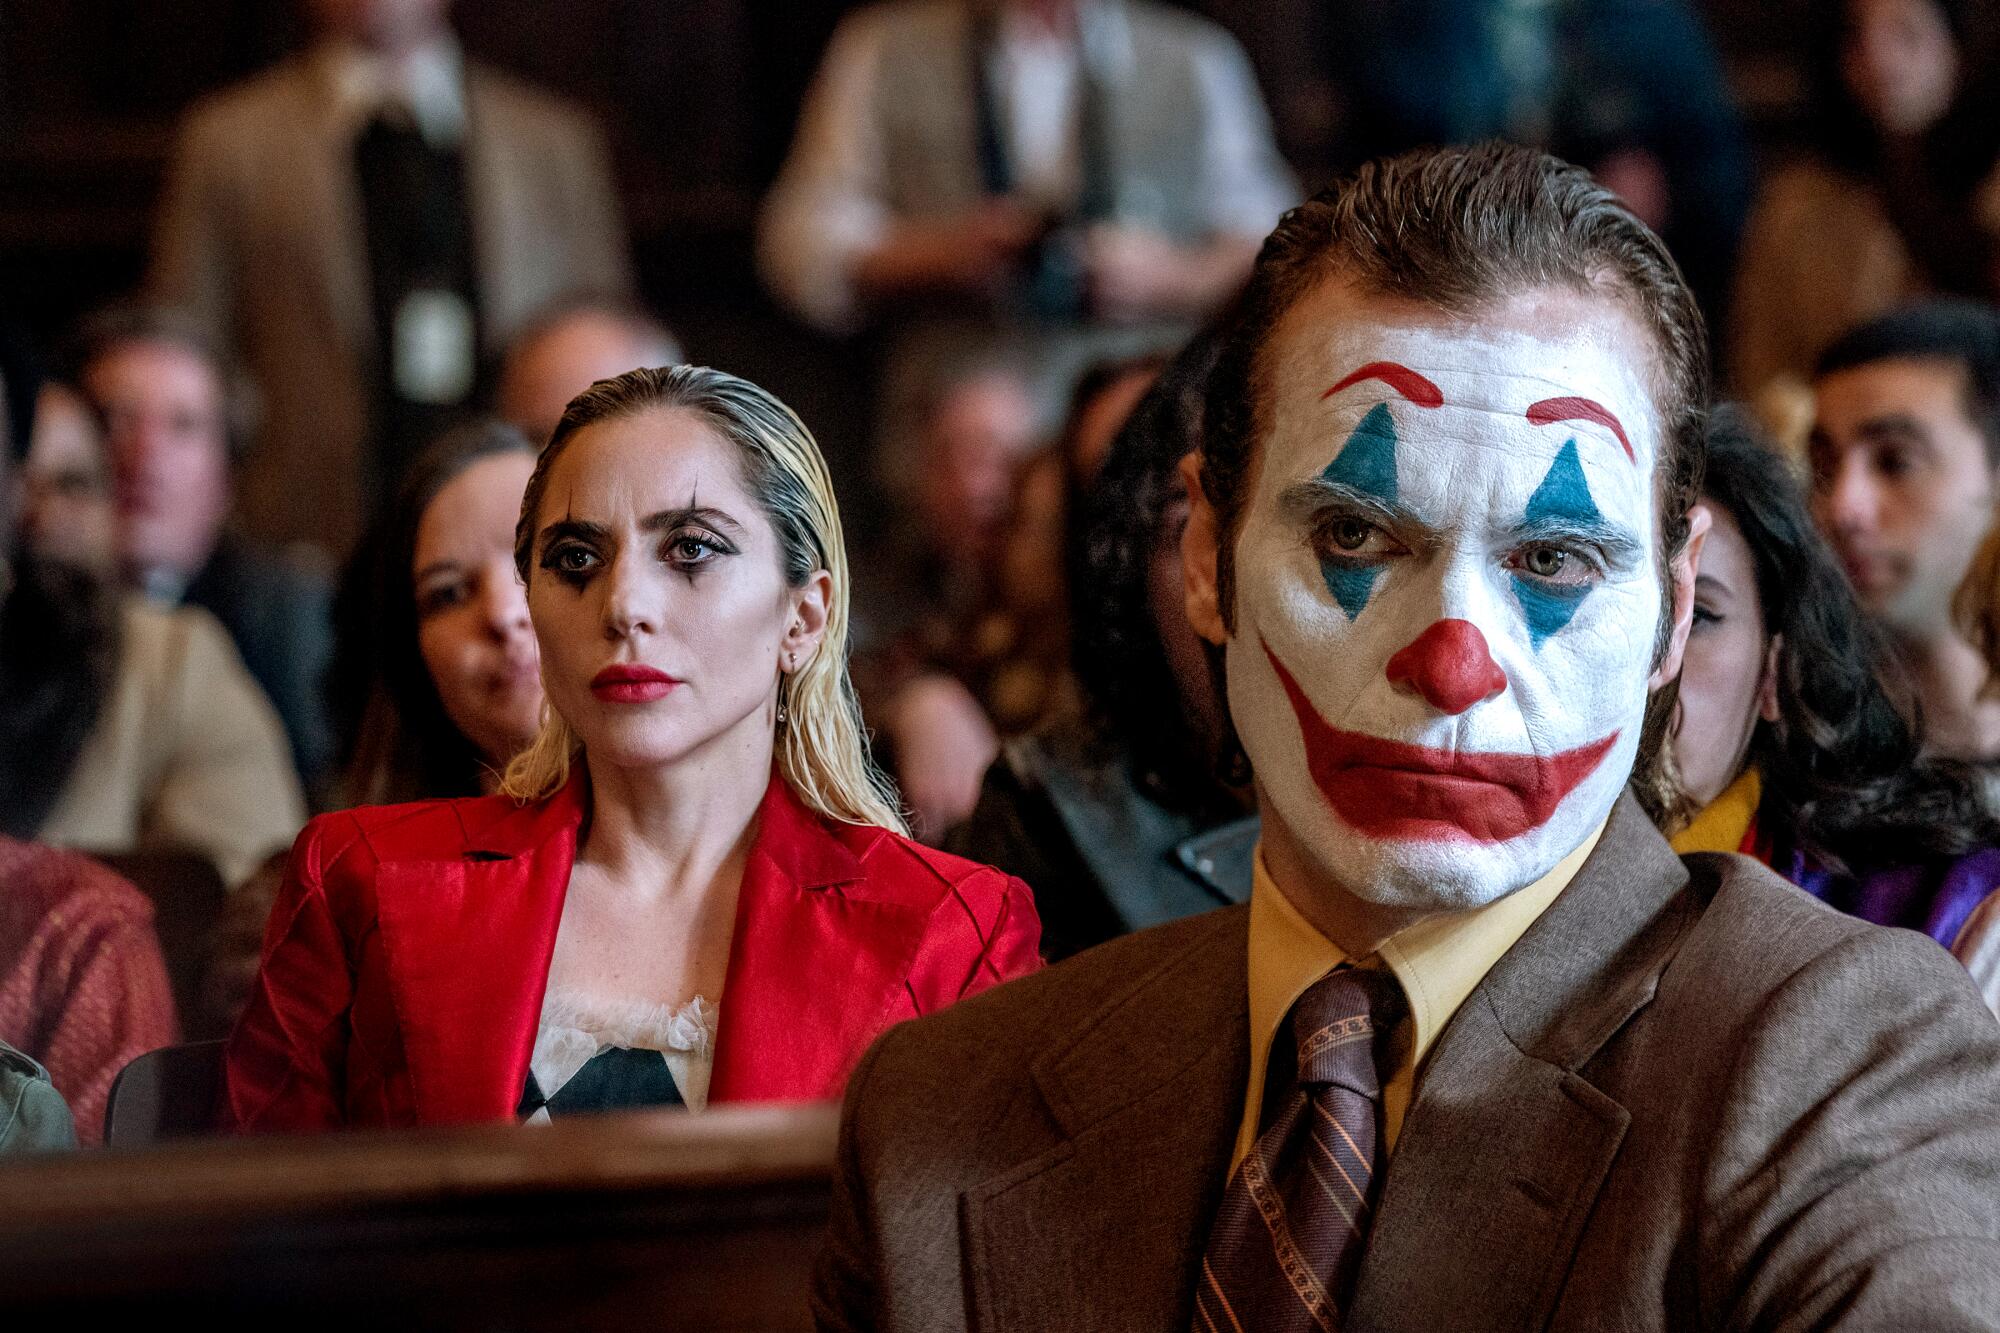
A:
(1459, 229)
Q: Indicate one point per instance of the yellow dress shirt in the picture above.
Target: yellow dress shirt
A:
(1438, 961)
(1723, 822)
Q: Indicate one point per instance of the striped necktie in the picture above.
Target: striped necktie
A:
(1288, 1239)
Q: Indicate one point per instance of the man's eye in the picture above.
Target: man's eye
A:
(1892, 462)
(1557, 566)
(1703, 617)
(1349, 534)
(1544, 561)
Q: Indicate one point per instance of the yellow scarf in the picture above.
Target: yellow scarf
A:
(1721, 826)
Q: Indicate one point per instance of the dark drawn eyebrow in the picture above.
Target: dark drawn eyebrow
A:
(577, 528)
(1552, 410)
(699, 515)
(1402, 379)
(666, 520)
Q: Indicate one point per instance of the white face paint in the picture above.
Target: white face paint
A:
(1447, 590)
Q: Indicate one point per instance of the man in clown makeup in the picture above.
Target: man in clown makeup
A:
(1481, 1052)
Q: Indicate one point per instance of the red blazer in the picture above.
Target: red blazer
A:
(408, 950)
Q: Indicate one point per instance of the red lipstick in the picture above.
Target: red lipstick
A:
(632, 683)
(1397, 791)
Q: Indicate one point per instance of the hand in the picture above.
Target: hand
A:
(1132, 272)
(1135, 273)
(974, 252)
(943, 746)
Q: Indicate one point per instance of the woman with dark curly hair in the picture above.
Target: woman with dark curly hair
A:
(1790, 747)
(1116, 811)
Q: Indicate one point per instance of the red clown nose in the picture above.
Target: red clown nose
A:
(1449, 665)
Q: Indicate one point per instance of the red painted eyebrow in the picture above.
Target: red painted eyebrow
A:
(1402, 379)
(1551, 410)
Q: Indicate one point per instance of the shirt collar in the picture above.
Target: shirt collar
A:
(1104, 32)
(1438, 961)
(429, 83)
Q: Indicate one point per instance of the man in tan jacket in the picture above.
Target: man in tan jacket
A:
(366, 226)
(1481, 1051)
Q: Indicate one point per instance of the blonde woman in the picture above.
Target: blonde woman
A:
(693, 887)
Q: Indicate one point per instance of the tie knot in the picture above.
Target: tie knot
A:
(1338, 1022)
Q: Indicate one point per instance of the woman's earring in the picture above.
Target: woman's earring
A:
(792, 661)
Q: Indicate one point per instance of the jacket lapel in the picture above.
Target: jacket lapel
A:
(1506, 1144)
(468, 940)
(327, 212)
(1147, 1102)
(817, 962)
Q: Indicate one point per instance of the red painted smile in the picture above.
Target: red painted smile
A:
(1400, 792)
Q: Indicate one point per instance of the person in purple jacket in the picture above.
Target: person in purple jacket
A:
(1789, 738)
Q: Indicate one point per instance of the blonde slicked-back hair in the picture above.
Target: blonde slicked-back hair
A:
(822, 748)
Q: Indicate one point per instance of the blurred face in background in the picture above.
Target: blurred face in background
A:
(66, 511)
(974, 442)
(166, 424)
(1729, 675)
(1900, 63)
(472, 613)
(544, 372)
(659, 596)
(1902, 486)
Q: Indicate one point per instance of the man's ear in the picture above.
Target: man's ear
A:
(1199, 549)
(1683, 608)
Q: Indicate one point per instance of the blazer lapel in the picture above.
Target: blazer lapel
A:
(1506, 1144)
(816, 965)
(327, 213)
(468, 941)
(1147, 1101)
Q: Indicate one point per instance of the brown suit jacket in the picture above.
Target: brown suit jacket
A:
(260, 237)
(1690, 1097)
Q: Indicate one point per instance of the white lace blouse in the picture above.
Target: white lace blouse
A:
(575, 1027)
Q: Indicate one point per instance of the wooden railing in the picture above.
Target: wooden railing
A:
(657, 1220)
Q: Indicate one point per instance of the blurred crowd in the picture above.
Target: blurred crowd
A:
(262, 554)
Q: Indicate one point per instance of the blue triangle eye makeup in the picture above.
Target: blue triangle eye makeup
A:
(1366, 463)
(1562, 498)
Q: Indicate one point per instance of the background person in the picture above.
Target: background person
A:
(1788, 746)
(1055, 180)
(569, 347)
(1895, 197)
(363, 226)
(125, 727)
(667, 882)
(83, 988)
(1115, 808)
(1905, 456)
(435, 629)
(174, 438)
